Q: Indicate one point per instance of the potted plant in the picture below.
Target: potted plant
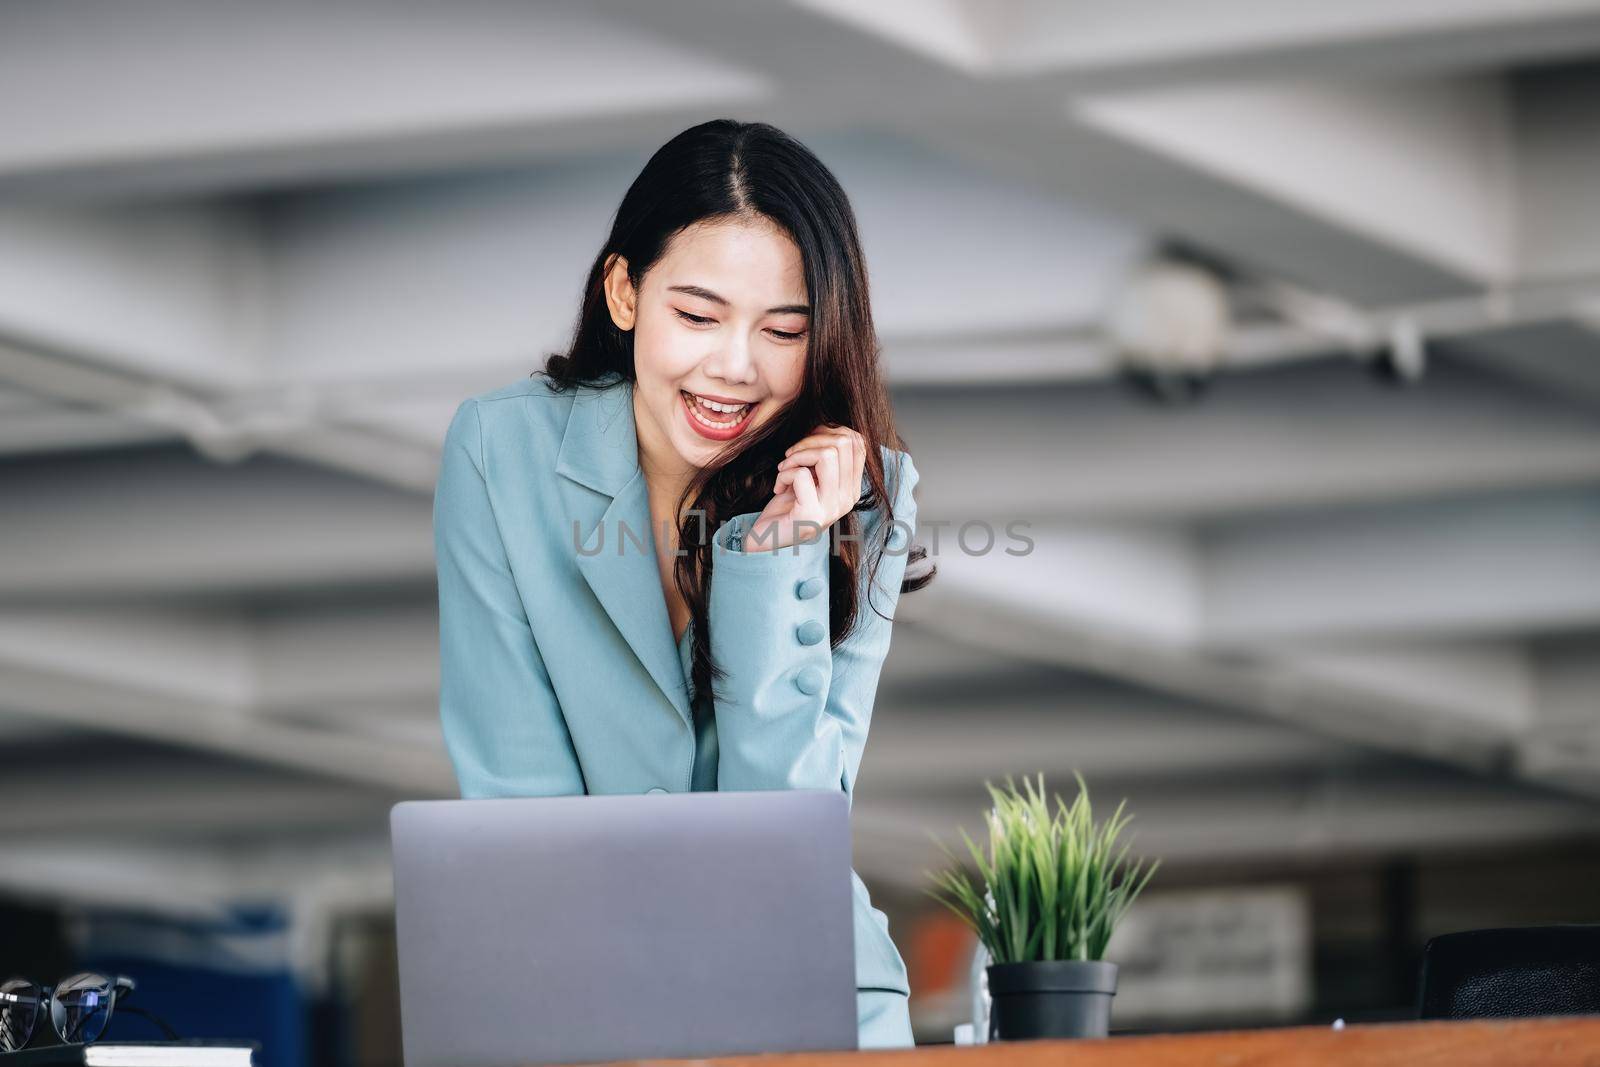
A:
(1053, 887)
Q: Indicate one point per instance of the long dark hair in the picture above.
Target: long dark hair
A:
(752, 171)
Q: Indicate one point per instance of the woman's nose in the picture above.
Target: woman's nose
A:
(733, 364)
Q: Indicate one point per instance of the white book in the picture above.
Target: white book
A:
(199, 1053)
(167, 1056)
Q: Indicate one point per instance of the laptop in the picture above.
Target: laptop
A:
(576, 929)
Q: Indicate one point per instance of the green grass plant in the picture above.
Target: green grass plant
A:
(1052, 887)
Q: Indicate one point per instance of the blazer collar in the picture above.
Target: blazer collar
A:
(600, 450)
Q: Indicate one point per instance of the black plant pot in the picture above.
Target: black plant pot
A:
(1050, 998)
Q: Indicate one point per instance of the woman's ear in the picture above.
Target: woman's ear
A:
(621, 297)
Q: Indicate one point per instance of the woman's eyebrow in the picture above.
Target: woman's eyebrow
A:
(706, 294)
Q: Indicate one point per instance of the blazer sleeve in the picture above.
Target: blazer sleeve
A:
(793, 713)
(502, 724)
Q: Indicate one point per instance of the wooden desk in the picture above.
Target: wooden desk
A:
(1559, 1041)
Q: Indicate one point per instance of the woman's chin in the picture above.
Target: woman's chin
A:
(694, 450)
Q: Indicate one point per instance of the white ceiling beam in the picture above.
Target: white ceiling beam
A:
(1040, 142)
(1141, 579)
(1080, 43)
(216, 680)
(169, 291)
(1305, 437)
(377, 440)
(177, 798)
(1283, 216)
(189, 655)
(1423, 166)
(1491, 567)
(327, 656)
(16, 401)
(1339, 624)
(226, 730)
(1495, 683)
(968, 612)
(1475, 566)
(483, 82)
(56, 428)
(935, 737)
(165, 524)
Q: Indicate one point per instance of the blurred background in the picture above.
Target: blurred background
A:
(1292, 311)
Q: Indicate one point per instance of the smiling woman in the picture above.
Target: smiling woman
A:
(723, 377)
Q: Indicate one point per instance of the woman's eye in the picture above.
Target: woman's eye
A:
(701, 320)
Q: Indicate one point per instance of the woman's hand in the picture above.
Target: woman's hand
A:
(818, 483)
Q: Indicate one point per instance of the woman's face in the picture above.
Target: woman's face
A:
(720, 318)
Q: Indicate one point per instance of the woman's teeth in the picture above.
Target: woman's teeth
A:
(725, 414)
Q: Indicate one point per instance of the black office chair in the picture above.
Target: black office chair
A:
(1530, 970)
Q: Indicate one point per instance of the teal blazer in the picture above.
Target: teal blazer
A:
(558, 671)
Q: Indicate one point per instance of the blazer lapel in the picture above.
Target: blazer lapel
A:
(599, 450)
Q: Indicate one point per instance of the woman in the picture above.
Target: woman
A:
(723, 377)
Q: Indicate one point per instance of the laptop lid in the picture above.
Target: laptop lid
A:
(582, 928)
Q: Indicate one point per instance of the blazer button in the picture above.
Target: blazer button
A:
(809, 680)
(655, 789)
(808, 588)
(810, 632)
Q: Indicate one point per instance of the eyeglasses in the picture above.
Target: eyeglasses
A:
(79, 1006)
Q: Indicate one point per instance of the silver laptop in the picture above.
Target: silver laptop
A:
(576, 929)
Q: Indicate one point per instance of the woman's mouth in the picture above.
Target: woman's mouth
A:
(711, 420)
